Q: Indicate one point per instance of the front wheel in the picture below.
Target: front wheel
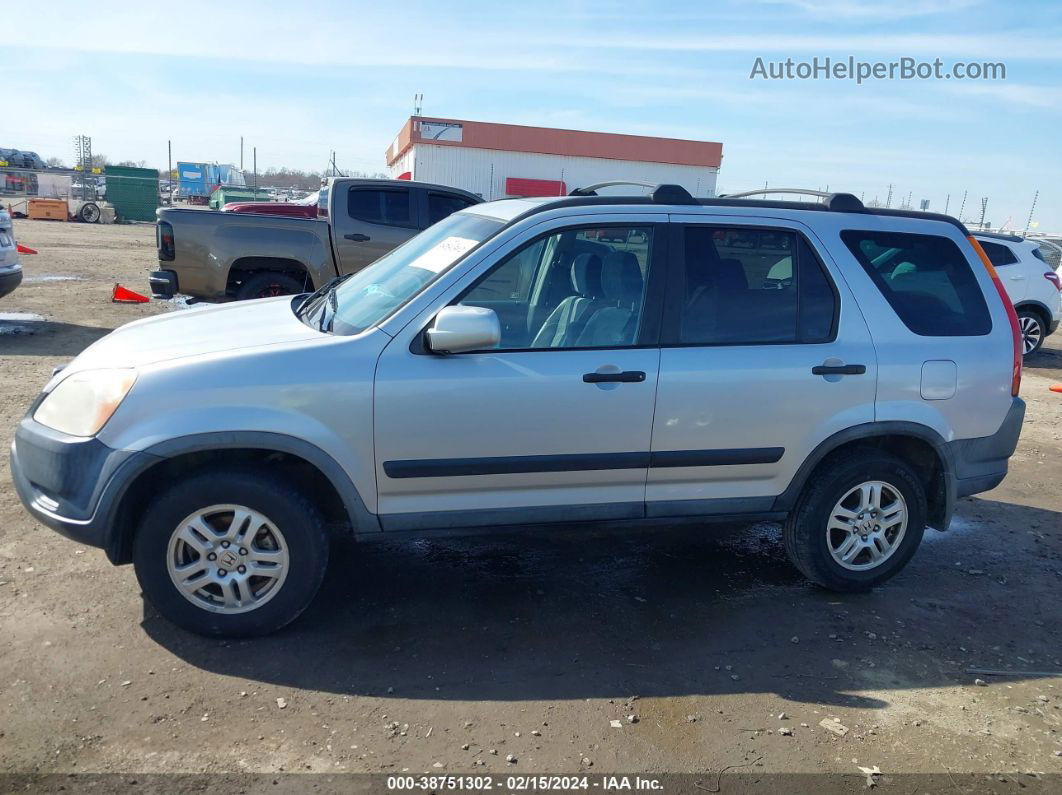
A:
(232, 553)
(858, 523)
(1032, 331)
(268, 285)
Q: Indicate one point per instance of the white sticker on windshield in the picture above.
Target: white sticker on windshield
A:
(443, 253)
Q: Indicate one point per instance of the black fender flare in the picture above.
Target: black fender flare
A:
(117, 540)
(939, 518)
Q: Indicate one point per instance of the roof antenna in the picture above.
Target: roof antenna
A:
(418, 102)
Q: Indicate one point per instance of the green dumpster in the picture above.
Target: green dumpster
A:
(134, 192)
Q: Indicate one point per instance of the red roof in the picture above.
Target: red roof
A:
(551, 141)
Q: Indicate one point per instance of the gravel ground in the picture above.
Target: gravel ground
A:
(450, 656)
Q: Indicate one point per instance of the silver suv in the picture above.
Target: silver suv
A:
(848, 371)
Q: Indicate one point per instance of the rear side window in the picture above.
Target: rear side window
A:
(926, 280)
(441, 205)
(998, 254)
(390, 207)
(749, 286)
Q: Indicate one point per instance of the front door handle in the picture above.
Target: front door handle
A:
(357, 237)
(839, 369)
(626, 377)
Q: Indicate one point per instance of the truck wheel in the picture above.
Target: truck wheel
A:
(89, 213)
(234, 553)
(858, 522)
(268, 285)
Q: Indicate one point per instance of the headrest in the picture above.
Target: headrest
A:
(621, 277)
(586, 275)
(731, 275)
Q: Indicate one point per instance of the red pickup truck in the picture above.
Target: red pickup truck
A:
(272, 208)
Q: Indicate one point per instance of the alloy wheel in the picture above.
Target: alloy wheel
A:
(1031, 333)
(227, 559)
(866, 525)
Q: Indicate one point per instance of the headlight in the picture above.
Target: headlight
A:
(82, 403)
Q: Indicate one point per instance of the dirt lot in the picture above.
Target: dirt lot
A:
(448, 656)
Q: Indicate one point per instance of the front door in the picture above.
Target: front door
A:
(764, 354)
(552, 425)
(368, 222)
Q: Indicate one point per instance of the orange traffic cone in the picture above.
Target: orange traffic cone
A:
(1055, 387)
(123, 295)
(25, 249)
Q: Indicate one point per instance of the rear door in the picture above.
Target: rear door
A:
(764, 354)
(1012, 272)
(370, 220)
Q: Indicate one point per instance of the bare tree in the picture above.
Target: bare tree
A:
(55, 162)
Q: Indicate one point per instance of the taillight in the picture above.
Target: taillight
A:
(164, 235)
(1052, 277)
(1015, 331)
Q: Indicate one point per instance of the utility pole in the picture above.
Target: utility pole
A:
(169, 167)
(888, 198)
(1031, 211)
(962, 207)
(241, 153)
(255, 156)
(984, 209)
(947, 201)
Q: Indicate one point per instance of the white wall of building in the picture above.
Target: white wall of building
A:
(484, 171)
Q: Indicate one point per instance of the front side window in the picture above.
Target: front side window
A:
(748, 286)
(926, 279)
(389, 207)
(576, 288)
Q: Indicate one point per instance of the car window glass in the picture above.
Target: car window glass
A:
(998, 254)
(390, 207)
(745, 286)
(926, 279)
(441, 205)
(581, 288)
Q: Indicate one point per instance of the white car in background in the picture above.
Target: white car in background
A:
(1033, 286)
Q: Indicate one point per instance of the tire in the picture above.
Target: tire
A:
(89, 213)
(294, 564)
(808, 541)
(1032, 329)
(268, 285)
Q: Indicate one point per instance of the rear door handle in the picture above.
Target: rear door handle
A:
(839, 369)
(626, 377)
(357, 237)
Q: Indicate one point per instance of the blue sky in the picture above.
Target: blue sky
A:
(300, 79)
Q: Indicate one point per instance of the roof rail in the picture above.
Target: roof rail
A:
(840, 202)
(660, 194)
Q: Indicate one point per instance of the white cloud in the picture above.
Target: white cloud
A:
(873, 10)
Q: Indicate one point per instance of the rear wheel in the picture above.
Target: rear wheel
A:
(1032, 331)
(233, 553)
(268, 285)
(89, 213)
(858, 523)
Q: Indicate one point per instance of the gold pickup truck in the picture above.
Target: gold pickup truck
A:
(224, 256)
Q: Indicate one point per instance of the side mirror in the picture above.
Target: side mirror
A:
(464, 328)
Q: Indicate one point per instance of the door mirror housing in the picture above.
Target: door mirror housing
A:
(458, 329)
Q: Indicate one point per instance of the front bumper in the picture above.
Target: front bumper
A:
(72, 484)
(163, 284)
(10, 278)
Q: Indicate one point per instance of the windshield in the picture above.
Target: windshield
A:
(365, 298)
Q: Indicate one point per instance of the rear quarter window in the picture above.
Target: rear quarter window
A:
(926, 279)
